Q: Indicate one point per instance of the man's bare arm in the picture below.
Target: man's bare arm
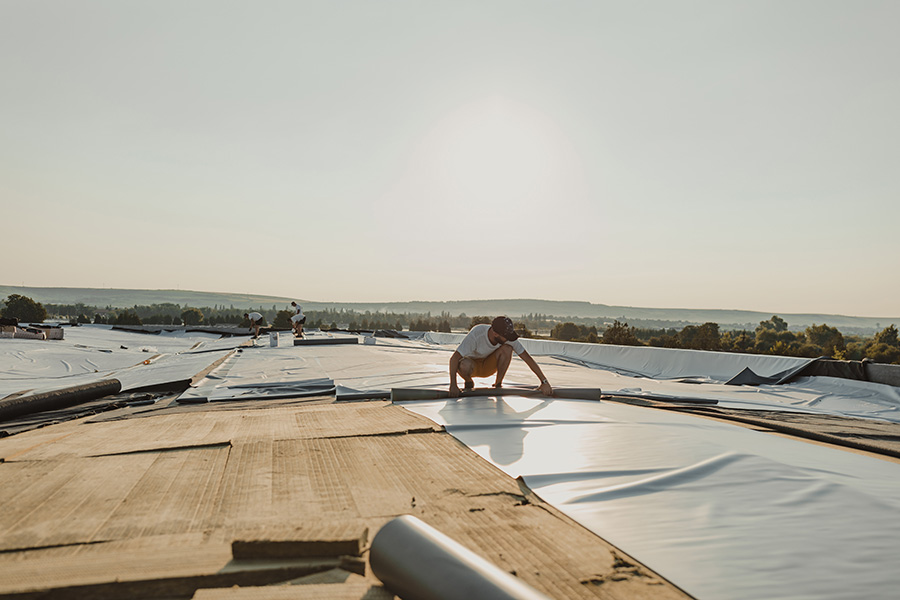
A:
(545, 387)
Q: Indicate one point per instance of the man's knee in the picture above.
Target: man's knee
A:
(505, 351)
(466, 367)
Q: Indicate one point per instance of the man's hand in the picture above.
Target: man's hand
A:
(545, 388)
(454, 390)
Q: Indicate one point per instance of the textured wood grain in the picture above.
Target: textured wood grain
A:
(150, 506)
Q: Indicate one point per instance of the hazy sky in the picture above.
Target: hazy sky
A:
(668, 153)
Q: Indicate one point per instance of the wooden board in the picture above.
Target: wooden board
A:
(152, 505)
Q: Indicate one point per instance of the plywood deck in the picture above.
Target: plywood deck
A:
(149, 506)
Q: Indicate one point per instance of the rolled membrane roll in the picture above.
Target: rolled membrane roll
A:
(417, 562)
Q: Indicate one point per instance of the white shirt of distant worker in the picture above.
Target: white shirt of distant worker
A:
(255, 321)
(297, 320)
(488, 349)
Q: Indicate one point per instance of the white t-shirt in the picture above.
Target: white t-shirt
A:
(254, 316)
(477, 345)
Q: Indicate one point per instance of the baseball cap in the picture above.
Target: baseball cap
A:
(504, 327)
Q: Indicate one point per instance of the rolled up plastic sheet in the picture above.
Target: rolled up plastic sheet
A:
(10, 408)
(325, 341)
(417, 562)
(408, 394)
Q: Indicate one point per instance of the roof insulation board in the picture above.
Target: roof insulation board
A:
(104, 506)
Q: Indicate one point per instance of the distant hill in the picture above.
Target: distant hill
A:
(643, 317)
(121, 298)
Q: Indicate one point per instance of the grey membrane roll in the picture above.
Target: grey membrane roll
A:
(410, 394)
(58, 399)
(417, 562)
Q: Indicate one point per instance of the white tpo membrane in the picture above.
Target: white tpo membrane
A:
(720, 510)
(394, 363)
(657, 363)
(268, 372)
(664, 373)
(262, 372)
(91, 353)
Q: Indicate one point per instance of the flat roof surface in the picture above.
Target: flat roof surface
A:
(145, 497)
(151, 504)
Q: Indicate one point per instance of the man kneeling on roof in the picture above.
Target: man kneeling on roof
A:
(488, 349)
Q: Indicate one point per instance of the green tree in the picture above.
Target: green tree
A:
(776, 324)
(24, 309)
(477, 321)
(742, 341)
(621, 334)
(855, 351)
(781, 343)
(664, 341)
(765, 340)
(282, 319)
(883, 353)
(888, 336)
(828, 339)
(128, 317)
(809, 350)
(192, 316)
(567, 331)
(773, 337)
(700, 337)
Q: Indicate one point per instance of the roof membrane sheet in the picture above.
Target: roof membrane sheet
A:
(722, 511)
(95, 352)
(393, 363)
(657, 363)
(664, 373)
(264, 371)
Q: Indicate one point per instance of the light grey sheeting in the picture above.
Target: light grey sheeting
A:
(400, 363)
(93, 353)
(722, 511)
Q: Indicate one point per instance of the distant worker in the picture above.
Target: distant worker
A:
(255, 322)
(488, 349)
(298, 320)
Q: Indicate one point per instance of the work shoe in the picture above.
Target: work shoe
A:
(470, 385)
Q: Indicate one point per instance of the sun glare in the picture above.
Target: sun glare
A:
(495, 156)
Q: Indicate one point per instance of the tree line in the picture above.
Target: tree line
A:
(771, 336)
